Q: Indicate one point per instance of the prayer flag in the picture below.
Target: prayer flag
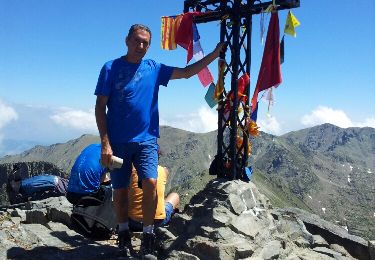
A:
(270, 70)
(248, 173)
(209, 97)
(220, 80)
(187, 37)
(253, 128)
(167, 33)
(184, 35)
(242, 83)
(169, 27)
(290, 24)
(205, 76)
(254, 114)
(270, 98)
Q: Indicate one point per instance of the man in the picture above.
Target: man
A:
(128, 87)
(86, 176)
(36, 188)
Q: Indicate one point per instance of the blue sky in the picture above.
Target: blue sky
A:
(51, 53)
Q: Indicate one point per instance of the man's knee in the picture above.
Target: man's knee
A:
(173, 198)
(149, 184)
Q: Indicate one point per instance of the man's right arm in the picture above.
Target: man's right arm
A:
(101, 122)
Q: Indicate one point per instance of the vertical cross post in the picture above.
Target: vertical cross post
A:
(235, 17)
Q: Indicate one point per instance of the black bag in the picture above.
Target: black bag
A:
(95, 221)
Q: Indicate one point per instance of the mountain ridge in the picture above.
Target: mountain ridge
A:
(324, 169)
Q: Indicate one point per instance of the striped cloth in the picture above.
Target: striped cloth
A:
(169, 27)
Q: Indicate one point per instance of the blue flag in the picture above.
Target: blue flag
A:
(248, 173)
(209, 97)
(254, 114)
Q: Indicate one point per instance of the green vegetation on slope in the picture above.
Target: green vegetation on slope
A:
(276, 193)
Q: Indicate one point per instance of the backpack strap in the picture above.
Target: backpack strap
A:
(94, 199)
(87, 201)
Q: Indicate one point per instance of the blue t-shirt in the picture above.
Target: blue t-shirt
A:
(38, 183)
(86, 172)
(132, 90)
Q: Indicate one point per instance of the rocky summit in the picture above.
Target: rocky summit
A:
(226, 220)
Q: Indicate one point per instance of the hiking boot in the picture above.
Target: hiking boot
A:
(125, 243)
(148, 246)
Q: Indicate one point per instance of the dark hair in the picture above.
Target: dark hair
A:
(135, 27)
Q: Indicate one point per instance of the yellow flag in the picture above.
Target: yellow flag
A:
(291, 24)
(169, 28)
(220, 81)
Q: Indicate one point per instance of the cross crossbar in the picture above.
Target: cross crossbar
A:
(246, 9)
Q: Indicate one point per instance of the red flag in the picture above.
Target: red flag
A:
(243, 83)
(205, 77)
(184, 36)
(270, 70)
(187, 37)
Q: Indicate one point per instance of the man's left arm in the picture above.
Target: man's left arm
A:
(191, 70)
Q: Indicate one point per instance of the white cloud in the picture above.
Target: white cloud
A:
(7, 114)
(269, 125)
(370, 122)
(202, 121)
(46, 125)
(75, 119)
(323, 114)
(205, 120)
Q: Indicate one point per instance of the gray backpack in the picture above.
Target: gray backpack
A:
(96, 221)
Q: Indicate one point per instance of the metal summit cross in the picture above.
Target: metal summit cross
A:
(236, 26)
